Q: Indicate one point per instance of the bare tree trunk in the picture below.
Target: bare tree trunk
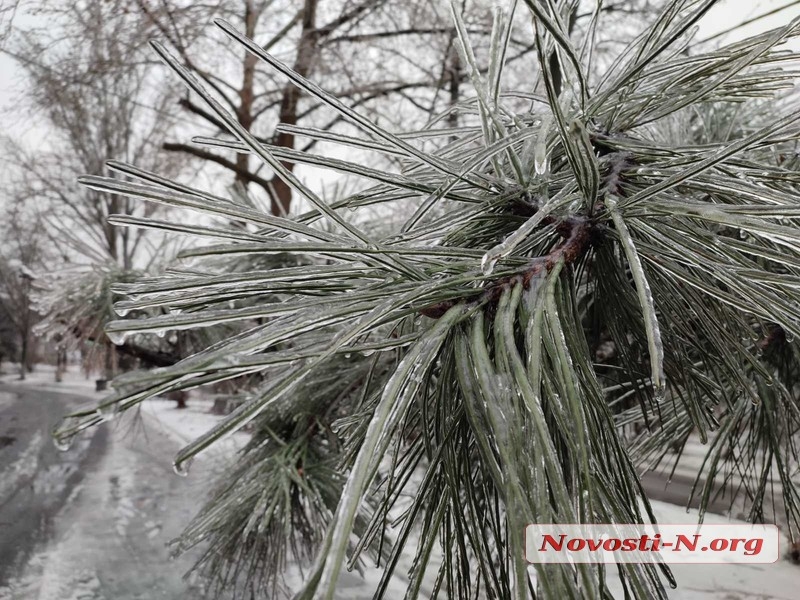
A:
(25, 329)
(179, 396)
(61, 362)
(455, 73)
(109, 363)
(246, 93)
(306, 50)
(108, 368)
(23, 355)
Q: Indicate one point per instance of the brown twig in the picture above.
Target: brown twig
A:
(576, 232)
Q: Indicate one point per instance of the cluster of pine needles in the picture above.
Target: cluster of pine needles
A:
(582, 287)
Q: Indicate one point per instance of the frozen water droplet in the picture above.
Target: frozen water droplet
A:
(488, 263)
(122, 311)
(161, 332)
(347, 355)
(368, 352)
(541, 164)
(108, 411)
(182, 468)
(63, 442)
(175, 311)
(660, 390)
(117, 337)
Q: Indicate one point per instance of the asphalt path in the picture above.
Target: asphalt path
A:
(36, 479)
(93, 522)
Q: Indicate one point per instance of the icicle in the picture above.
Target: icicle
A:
(488, 262)
(541, 161)
(108, 411)
(182, 467)
(652, 329)
(63, 442)
(117, 337)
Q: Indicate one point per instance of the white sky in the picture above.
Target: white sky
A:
(18, 124)
(730, 12)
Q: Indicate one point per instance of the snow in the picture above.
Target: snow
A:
(779, 581)
(63, 570)
(110, 539)
(22, 469)
(6, 399)
(44, 378)
(187, 424)
(691, 463)
(182, 425)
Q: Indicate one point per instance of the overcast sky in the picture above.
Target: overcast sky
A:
(19, 124)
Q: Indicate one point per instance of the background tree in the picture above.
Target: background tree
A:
(7, 13)
(22, 254)
(8, 337)
(88, 81)
(394, 60)
(387, 57)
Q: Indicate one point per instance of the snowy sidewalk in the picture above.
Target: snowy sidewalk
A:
(109, 540)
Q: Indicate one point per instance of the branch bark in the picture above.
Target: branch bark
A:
(577, 234)
(242, 172)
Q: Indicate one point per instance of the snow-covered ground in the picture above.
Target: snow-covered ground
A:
(779, 581)
(44, 378)
(691, 463)
(142, 507)
(109, 539)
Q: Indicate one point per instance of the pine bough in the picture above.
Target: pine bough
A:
(622, 257)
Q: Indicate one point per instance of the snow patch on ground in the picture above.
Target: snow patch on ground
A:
(6, 399)
(23, 469)
(119, 495)
(74, 381)
(110, 540)
(186, 424)
(779, 581)
(692, 461)
(53, 578)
